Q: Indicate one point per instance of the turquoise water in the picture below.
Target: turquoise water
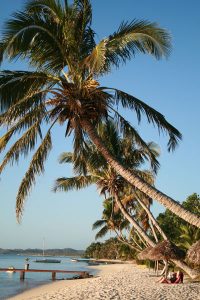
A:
(10, 283)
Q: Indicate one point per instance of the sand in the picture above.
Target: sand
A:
(114, 282)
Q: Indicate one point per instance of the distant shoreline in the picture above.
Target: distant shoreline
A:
(38, 252)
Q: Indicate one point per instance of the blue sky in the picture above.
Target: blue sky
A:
(170, 86)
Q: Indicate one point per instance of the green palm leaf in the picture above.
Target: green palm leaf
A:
(19, 85)
(142, 36)
(102, 232)
(22, 146)
(77, 183)
(98, 223)
(36, 167)
(152, 115)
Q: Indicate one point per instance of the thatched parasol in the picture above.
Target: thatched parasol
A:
(165, 251)
(193, 254)
(144, 254)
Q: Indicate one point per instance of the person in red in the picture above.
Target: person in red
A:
(174, 279)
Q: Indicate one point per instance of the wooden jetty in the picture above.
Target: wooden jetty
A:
(22, 272)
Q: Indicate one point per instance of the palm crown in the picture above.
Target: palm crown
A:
(58, 42)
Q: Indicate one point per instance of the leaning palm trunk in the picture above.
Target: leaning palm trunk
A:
(141, 232)
(128, 244)
(191, 272)
(153, 231)
(153, 221)
(136, 181)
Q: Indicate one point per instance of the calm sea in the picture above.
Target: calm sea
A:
(10, 283)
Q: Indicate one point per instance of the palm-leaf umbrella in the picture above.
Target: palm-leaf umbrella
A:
(144, 254)
(193, 254)
(165, 250)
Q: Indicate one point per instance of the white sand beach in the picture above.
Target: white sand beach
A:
(116, 282)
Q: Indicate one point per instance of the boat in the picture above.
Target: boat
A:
(93, 263)
(11, 270)
(47, 260)
(74, 260)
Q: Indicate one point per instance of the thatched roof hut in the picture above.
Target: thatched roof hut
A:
(193, 254)
(165, 251)
(144, 254)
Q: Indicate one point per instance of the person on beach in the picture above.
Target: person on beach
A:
(174, 278)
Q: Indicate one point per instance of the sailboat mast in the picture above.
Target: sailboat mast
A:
(43, 246)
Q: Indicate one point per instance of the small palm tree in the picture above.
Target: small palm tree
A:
(113, 222)
(58, 42)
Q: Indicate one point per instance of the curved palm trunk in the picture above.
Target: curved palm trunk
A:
(136, 181)
(152, 219)
(191, 272)
(128, 244)
(141, 232)
(121, 239)
(153, 231)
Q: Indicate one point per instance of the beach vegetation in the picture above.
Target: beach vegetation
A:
(178, 230)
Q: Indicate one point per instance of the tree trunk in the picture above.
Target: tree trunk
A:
(141, 232)
(128, 244)
(139, 183)
(153, 220)
(191, 272)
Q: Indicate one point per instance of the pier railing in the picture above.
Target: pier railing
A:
(22, 272)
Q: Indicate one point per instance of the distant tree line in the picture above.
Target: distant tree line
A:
(110, 249)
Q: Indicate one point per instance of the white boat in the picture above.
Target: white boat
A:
(74, 259)
(11, 270)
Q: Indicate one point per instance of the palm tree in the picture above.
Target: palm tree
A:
(91, 168)
(58, 42)
(109, 182)
(114, 222)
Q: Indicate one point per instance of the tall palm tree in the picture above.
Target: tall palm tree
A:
(109, 182)
(57, 41)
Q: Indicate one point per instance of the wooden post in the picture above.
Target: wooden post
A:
(53, 275)
(22, 275)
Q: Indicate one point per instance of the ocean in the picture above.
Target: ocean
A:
(11, 285)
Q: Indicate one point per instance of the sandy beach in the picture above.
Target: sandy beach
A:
(116, 282)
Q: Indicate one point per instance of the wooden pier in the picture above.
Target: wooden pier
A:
(22, 272)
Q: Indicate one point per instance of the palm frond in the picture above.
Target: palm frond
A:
(102, 232)
(152, 115)
(36, 167)
(19, 85)
(66, 157)
(28, 121)
(142, 36)
(22, 146)
(53, 8)
(130, 38)
(73, 183)
(95, 62)
(37, 37)
(98, 223)
(130, 132)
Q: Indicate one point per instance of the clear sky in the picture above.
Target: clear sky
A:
(171, 86)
